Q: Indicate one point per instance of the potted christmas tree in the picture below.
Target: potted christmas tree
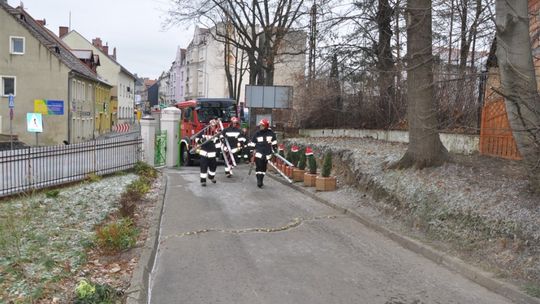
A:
(325, 182)
(291, 155)
(309, 177)
(298, 173)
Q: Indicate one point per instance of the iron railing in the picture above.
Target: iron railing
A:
(40, 167)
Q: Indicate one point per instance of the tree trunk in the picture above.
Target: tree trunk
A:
(518, 82)
(425, 148)
(385, 62)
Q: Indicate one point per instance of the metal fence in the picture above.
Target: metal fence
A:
(40, 167)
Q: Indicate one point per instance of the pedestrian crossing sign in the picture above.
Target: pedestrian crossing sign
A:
(34, 122)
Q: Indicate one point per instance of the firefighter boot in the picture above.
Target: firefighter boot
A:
(203, 182)
(212, 179)
(259, 180)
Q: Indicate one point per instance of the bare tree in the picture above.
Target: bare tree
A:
(234, 60)
(425, 148)
(260, 27)
(518, 82)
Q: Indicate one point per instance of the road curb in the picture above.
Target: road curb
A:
(472, 273)
(137, 292)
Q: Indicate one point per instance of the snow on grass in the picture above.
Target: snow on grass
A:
(480, 204)
(43, 240)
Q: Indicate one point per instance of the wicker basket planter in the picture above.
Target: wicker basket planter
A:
(298, 175)
(309, 179)
(290, 171)
(325, 183)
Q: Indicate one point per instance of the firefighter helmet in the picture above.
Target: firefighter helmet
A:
(264, 123)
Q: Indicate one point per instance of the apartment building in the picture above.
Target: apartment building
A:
(199, 70)
(44, 77)
(123, 81)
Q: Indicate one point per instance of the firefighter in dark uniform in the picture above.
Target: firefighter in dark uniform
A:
(242, 144)
(265, 143)
(208, 149)
(246, 148)
(232, 134)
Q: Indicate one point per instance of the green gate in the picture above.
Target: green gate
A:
(161, 148)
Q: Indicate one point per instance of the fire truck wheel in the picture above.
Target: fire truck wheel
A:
(186, 157)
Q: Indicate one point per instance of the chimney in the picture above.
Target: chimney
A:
(97, 43)
(62, 31)
(114, 53)
(42, 22)
(106, 49)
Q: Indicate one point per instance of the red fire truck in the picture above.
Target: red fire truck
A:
(196, 114)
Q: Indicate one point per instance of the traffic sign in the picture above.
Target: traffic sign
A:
(34, 122)
(11, 99)
(122, 127)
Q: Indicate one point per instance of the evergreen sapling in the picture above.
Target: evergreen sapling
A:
(302, 161)
(312, 164)
(327, 165)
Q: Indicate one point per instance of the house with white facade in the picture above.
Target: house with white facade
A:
(199, 70)
(110, 70)
(205, 73)
(165, 95)
(177, 75)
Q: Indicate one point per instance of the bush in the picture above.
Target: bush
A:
(312, 164)
(302, 161)
(533, 290)
(117, 236)
(128, 202)
(52, 193)
(139, 186)
(87, 292)
(136, 190)
(144, 170)
(327, 165)
(92, 177)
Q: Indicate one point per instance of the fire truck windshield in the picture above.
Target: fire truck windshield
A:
(221, 111)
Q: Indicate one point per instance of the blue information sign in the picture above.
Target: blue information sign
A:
(55, 107)
(11, 99)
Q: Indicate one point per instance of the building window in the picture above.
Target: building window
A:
(16, 45)
(74, 89)
(8, 85)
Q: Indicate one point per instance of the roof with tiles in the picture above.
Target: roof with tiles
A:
(105, 53)
(51, 42)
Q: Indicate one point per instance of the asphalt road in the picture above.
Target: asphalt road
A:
(231, 242)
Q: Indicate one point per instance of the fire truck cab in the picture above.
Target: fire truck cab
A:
(196, 114)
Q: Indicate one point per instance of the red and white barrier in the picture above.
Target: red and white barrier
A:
(121, 128)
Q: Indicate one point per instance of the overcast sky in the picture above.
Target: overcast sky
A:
(132, 26)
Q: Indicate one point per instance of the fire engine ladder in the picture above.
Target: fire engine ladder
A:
(228, 156)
